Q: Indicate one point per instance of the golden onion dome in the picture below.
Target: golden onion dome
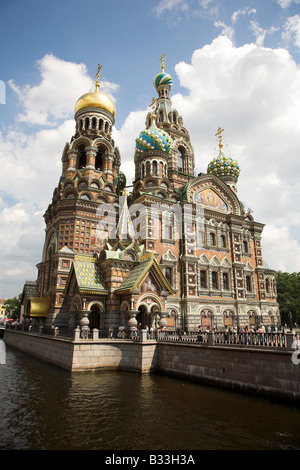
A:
(95, 99)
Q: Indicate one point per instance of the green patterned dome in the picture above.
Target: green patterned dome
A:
(224, 166)
(154, 139)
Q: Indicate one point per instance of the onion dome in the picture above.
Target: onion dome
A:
(224, 166)
(154, 139)
(163, 78)
(95, 99)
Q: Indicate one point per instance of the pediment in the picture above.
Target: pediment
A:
(169, 256)
(211, 199)
(210, 192)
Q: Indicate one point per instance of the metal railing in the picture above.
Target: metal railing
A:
(215, 338)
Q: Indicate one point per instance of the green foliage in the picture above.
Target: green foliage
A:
(13, 307)
(288, 296)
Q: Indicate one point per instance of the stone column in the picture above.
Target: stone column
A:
(84, 321)
(132, 322)
(72, 156)
(90, 157)
(162, 320)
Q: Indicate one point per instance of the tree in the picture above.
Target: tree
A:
(13, 307)
(288, 296)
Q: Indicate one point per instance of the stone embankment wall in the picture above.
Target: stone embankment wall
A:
(263, 372)
(267, 372)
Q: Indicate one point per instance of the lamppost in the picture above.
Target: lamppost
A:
(290, 316)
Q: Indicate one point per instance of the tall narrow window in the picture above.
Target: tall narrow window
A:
(225, 281)
(168, 275)
(179, 160)
(99, 160)
(214, 279)
(212, 238)
(223, 241)
(81, 158)
(248, 284)
(154, 167)
(203, 282)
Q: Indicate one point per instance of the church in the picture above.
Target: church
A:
(170, 250)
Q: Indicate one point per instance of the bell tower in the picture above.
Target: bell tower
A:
(181, 161)
(90, 180)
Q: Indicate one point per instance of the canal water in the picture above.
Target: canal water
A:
(46, 408)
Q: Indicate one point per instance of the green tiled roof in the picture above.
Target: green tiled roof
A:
(138, 273)
(135, 275)
(88, 276)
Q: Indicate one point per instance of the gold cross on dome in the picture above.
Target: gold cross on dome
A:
(162, 60)
(219, 134)
(97, 78)
(152, 104)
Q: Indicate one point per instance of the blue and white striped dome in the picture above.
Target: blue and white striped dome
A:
(163, 78)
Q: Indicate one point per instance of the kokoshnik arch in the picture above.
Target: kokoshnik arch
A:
(110, 259)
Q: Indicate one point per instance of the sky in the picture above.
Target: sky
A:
(234, 64)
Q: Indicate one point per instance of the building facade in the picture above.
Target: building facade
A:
(172, 249)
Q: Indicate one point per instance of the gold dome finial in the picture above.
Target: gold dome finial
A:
(162, 60)
(153, 117)
(97, 78)
(219, 134)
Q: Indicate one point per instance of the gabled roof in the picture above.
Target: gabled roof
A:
(88, 277)
(139, 272)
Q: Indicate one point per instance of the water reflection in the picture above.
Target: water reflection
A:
(49, 408)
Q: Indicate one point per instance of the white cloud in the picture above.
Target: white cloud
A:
(170, 5)
(287, 3)
(291, 30)
(242, 12)
(54, 98)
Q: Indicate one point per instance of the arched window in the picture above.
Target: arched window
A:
(87, 123)
(99, 160)
(94, 123)
(212, 238)
(223, 241)
(81, 157)
(179, 160)
(154, 167)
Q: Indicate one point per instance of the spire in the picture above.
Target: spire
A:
(125, 227)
